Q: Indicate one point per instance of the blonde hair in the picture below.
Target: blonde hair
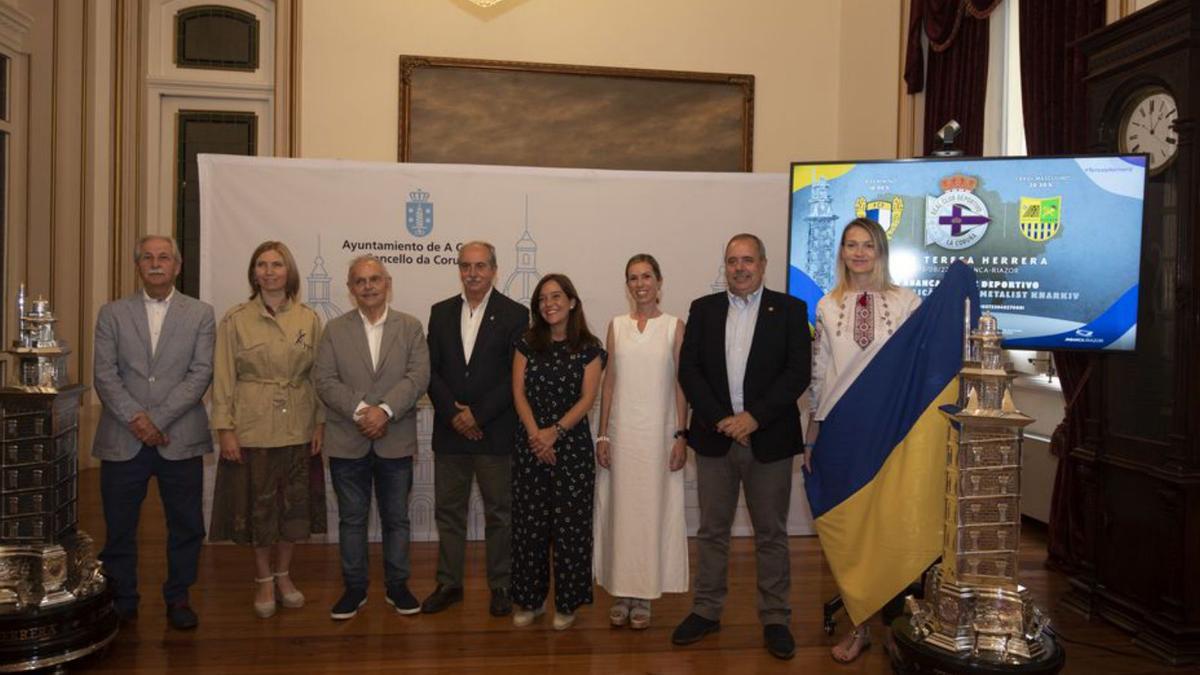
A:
(291, 286)
(881, 278)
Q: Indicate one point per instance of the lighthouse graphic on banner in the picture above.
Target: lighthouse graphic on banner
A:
(524, 277)
(821, 246)
(319, 284)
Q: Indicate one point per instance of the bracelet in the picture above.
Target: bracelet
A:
(604, 438)
(558, 429)
(809, 446)
(681, 433)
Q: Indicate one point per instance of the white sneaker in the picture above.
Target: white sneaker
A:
(523, 617)
(563, 621)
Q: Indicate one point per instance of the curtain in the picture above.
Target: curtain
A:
(955, 80)
(1052, 97)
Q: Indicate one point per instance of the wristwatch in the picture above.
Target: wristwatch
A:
(681, 433)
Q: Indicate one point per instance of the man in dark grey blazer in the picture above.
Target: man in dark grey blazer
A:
(372, 366)
(471, 340)
(153, 363)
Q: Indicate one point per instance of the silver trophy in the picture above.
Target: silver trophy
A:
(55, 604)
(41, 357)
(974, 606)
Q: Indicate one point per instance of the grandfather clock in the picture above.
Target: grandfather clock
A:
(1138, 467)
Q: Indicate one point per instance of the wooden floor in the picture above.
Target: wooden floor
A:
(465, 639)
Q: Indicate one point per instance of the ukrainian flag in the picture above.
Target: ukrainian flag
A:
(877, 487)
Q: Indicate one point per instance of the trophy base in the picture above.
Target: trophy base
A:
(915, 655)
(50, 637)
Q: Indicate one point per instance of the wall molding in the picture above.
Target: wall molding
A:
(14, 26)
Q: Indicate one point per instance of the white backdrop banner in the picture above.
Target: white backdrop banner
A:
(584, 223)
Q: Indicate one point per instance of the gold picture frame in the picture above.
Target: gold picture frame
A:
(470, 111)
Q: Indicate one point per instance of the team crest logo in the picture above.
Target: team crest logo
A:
(881, 211)
(418, 217)
(1041, 217)
(958, 218)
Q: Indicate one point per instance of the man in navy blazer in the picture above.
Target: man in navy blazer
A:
(745, 360)
(153, 363)
(471, 341)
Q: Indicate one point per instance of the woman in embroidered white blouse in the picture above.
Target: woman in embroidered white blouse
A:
(853, 321)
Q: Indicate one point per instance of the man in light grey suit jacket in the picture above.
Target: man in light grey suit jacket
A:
(153, 363)
(372, 366)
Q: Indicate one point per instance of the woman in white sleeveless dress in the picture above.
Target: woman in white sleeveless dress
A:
(641, 534)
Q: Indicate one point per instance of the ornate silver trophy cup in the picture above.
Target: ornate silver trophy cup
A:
(55, 605)
(976, 617)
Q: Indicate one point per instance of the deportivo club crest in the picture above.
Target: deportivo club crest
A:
(1040, 217)
(957, 219)
(418, 213)
(881, 211)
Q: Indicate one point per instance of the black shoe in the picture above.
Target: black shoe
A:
(501, 604)
(442, 597)
(779, 642)
(693, 628)
(404, 602)
(347, 606)
(181, 617)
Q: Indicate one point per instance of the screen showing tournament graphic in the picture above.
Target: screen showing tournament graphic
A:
(1055, 242)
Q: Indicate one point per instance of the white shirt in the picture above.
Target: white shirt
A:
(374, 340)
(739, 335)
(156, 312)
(837, 358)
(471, 320)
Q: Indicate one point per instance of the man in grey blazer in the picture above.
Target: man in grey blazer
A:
(153, 363)
(372, 366)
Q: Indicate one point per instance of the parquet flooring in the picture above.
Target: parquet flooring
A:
(465, 639)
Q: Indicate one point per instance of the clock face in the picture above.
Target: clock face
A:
(1148, 126)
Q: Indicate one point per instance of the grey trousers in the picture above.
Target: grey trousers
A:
(768, 489)
(452, 476)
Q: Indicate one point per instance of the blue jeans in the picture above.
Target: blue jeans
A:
(352, 480)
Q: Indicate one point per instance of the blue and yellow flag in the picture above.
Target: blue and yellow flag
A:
(877, 488)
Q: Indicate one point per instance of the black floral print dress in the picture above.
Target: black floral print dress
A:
(552, 504)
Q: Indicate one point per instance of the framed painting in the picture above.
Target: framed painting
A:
(467, 111)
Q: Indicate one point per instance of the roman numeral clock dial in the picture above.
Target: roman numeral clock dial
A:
(1148, 125)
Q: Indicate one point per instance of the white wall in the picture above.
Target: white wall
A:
(826, 71)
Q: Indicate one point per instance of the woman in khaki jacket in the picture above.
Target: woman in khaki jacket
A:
(270, 488)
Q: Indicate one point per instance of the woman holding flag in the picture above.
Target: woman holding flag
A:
(853, 321)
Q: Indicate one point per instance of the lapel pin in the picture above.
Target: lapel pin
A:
(770, 308)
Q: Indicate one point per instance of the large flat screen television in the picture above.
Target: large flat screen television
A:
(1056, 241)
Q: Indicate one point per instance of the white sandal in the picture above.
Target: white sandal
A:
(618, 614)
(293, 600)
(265, 610)
(639, 616)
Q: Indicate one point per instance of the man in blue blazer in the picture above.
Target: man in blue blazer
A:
(745, 360)
(153, 363)
(471, 341)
